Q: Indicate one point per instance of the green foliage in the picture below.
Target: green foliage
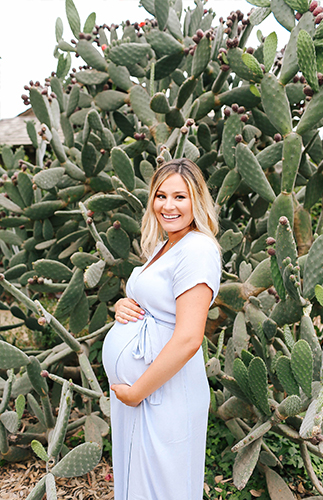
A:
(219, 462)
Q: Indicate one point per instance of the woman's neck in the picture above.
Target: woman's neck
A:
(174, 238)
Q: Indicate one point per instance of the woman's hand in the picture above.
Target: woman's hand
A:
(125, 394)
(128, 310)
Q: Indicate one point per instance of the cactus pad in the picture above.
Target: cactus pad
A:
(277, 110)
(93, 274)
(285, 375)
(71, 295)
(40, 451)
(257, 375)
(39, 491)
(290, 406)
(10, 420)
(252, 173)
(245, 463)
(277, 488)
(12, 357)
(307, 59)
(308, 333)
(123, 167)
(240, 335)
(292, 153)
(302, 366)
(313, 273)
(52, 269)
(79, 461)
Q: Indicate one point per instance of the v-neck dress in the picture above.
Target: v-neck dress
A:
(158, 447)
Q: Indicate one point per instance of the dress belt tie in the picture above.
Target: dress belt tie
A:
(148, 346)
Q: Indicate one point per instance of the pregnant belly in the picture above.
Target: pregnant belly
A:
(117, 356)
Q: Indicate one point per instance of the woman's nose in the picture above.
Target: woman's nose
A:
(169, 203)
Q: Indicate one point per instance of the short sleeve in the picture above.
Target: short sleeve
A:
(198, 262)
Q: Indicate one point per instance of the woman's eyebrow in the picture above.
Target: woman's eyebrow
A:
(175, 192)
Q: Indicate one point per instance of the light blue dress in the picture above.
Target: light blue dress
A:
(158, 447)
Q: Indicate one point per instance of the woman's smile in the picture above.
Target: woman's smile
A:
(170, 217)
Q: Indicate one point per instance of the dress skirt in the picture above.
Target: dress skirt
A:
(158, 446)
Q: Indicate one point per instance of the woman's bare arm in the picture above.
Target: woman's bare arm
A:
(191, 313)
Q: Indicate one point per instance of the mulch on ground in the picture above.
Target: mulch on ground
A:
(18, 479)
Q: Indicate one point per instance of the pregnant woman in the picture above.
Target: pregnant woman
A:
(153, 355)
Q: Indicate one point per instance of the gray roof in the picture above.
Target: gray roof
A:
(13, 131)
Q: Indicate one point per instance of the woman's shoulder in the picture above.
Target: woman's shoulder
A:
(199, 243)
(199, 239)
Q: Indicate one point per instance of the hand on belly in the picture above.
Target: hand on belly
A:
(125, 394)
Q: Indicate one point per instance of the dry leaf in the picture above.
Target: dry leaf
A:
(256, 493)
(300, 488)
(206, 488)
(218, 479)
(219, 490)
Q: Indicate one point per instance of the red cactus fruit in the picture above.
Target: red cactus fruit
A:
(283, 220)
(317, 10)
(313, 5)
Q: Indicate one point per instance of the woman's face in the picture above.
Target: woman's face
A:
(173, 205)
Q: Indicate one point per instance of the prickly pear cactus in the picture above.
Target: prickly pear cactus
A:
(178, 84)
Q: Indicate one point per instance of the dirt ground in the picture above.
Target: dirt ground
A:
(21, 334)
(18, 479)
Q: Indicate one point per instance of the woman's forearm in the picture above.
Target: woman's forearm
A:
(175, 354)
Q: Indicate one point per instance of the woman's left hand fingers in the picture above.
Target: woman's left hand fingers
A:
(129, 314)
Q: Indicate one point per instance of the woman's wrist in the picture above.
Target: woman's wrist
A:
(136, 395)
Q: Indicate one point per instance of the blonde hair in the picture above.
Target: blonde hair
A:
(205, 218)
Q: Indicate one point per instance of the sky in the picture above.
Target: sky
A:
(27, 37)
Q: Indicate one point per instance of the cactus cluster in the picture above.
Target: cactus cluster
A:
(177, 84)
(31, 381)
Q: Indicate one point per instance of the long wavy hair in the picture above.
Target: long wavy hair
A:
(205, 218)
